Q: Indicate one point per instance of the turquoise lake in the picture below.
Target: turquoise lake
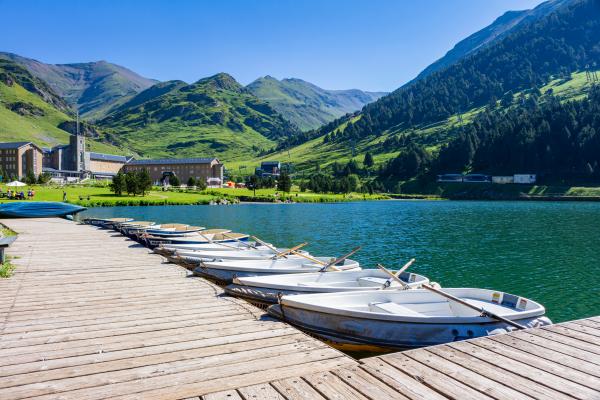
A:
(549, 252)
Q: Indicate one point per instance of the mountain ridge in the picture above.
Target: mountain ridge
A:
(306, 104)
(93, 88)
(214, 115)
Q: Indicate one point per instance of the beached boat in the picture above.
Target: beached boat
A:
(200, 238)
(103, 221)
(226, 270)
(267, 289)
(170, 249)
(400, 319)
(38, 209)
(262, 254)
(129, 228)
(159, 232)
(184, 230)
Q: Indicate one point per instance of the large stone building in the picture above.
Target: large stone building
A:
(209, 170)
(17, 159)
(73, 161)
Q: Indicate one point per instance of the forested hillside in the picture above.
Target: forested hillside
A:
(564, 42)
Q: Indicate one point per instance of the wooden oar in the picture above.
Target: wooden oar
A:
(239, 241)
(483, 312)
(340, 259)
(288, 251)
(267, 245)
(316, 261)
(396, 274)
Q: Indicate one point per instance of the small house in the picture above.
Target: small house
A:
(525, 178)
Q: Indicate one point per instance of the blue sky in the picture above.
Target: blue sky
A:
(336, 44)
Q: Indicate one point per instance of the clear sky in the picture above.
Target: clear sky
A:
(336, 44)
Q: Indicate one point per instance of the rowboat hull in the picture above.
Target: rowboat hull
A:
(268, 289)
(226, 271)
(351, 334)
(153, 241)
(404, 319)
(38, 209)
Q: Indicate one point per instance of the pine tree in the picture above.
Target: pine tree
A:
(144, 182)
(131, 182)
(118, 184)
(368, 161)
(284, 183)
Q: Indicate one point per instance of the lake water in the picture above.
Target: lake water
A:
(549, 252)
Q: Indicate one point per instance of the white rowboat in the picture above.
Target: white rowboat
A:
(267, 289)
(400, 319)
(226, 270)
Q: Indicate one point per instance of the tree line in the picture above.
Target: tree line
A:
(556, 140)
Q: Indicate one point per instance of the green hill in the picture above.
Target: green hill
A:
(215, 116)
(31, 111)
(93, 88)
(307, 105)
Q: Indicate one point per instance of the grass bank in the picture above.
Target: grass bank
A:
(95, 196)
(488, 191)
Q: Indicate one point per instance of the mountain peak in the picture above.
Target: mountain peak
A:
(221, 81)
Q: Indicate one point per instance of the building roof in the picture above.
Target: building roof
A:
(270, 163)
(13, 145)
(107, 157)
(171, 161)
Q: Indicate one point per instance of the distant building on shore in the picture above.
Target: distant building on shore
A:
(209, 170)
(481, 178)
(17, 159)
(72, 161)
(269, 168)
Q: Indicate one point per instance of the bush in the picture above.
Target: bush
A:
(174, 181)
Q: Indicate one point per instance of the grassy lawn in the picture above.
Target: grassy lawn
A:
(102, 196)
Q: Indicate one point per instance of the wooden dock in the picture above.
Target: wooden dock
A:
(92, 315)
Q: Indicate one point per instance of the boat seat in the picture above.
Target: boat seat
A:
(324, 284)
(371, 281)
(393, 308)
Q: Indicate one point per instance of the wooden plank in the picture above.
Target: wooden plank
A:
(549, 354)
(332, 387)
(97, 382)
(191, 383)
(556, 346)
(367, 384)
(590, 330)
(541, 364)
(547, 379)
(398, 380)
(133, 341)
(569, 341)
(501, 375)
(260, 392)
(296, 389)
(76, 339)
(563, 330)
(225, 395)
(170, 353)
(472, 379)
(441, 383)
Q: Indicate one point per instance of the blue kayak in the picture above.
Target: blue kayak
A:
(38, 209)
